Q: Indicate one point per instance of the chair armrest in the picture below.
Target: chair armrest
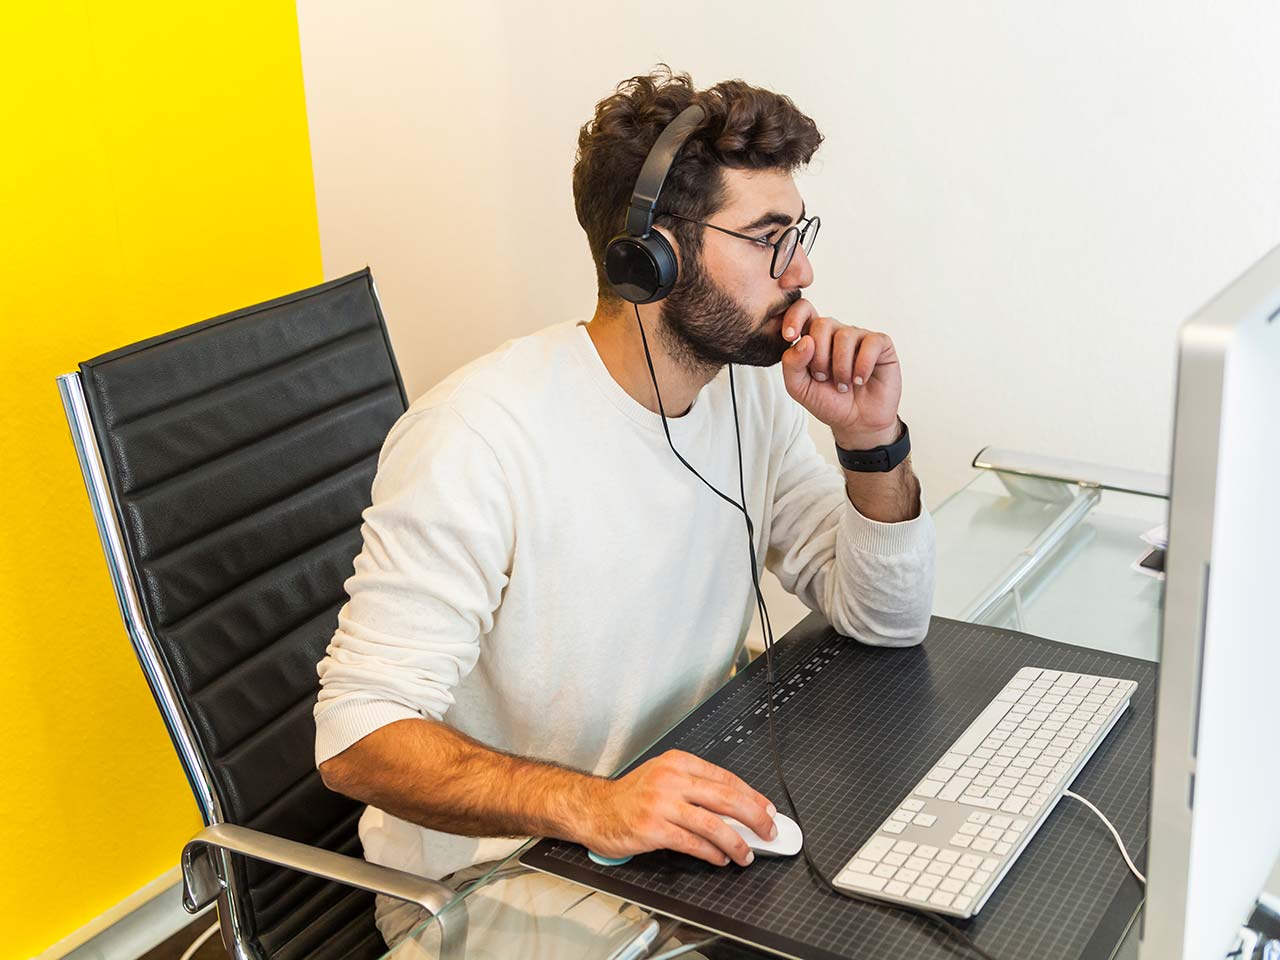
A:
(202, 883)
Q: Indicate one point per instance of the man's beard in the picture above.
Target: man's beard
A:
(703, 327)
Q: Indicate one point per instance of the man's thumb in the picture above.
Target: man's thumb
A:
(795, 366)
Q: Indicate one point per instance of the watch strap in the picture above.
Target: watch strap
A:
(879, 459)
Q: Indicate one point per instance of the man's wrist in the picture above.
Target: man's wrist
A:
(867, 439)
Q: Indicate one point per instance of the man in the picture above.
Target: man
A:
(544, 588)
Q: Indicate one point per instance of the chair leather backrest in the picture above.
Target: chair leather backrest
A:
(240, 453)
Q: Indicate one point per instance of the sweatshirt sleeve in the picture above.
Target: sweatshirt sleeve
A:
(438, 543)
(873, 581)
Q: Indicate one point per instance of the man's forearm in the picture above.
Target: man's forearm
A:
(430, 774)
(887, 497)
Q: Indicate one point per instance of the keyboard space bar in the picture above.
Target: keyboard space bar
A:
(978, 730)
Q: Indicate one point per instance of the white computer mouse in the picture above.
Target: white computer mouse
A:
(786, 844)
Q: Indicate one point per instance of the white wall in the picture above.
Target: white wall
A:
(1028, 196)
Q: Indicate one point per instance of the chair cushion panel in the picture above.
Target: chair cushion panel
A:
(232, 707)
(332, 828)
(261, 612)
(182, 436)
(252, 478)
(192, 576)
(168, 369)
(342, 927)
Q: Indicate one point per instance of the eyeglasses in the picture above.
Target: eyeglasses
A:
(803, 233)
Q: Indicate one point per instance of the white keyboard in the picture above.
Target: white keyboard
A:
(954, 838)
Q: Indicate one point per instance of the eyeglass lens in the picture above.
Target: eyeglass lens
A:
(786, 246)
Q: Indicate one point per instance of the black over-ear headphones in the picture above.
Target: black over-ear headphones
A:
(640, 264)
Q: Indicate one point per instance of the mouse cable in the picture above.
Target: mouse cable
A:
(766, 629)
(1119, 843)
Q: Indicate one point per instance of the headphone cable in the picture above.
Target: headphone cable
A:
(766, 629)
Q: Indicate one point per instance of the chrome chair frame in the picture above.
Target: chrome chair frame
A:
(207, 873)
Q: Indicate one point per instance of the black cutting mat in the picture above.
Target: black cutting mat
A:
(859, 726)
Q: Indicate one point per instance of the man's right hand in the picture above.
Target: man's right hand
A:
(674, 802)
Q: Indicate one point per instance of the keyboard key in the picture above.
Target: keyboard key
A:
(1010, 836)
(963, 874)
(915, 806)
(904, 846)
(917, 863)
(926, 851)
(919, 893)
(863, 881)
(1013, 805)
(960, 841)
(1020, 825)
(969, 829)
(951, 885)
(908, 876)
(876, 848)
(990, 863)
(896, 888)
(1002, 848)
(952, 761)
(861, 866)
(982, 845)
(1002, 822)
(928, 788)
(961, 903)
(894, 827)
(970, 860)
(884, 870)
(947, 856)
(924, 820)
(895, 859)
(954, 788)
(938, 868)
(904, 816)
(992, 833)
(981, 876)
(979, 817)
(971, 889)
(941, 899)
(930, 880)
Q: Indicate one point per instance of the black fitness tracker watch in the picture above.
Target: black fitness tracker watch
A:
(879, 459)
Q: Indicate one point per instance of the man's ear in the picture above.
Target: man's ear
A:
(671, 239)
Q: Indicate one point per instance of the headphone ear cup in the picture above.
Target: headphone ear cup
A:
(640, 269)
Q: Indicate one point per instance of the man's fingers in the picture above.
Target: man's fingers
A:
(871, 351)
(744, 805)
(821, 330)
(709, 826)
(795, 368)
(795, 321)
(842, 353)
(709, 771)
(682, 840)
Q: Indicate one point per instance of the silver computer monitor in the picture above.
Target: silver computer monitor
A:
(1215, 800)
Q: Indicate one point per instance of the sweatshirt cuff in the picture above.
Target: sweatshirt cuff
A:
(339, 725)
(886, 539)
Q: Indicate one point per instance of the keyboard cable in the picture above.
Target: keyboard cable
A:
(1119, 843)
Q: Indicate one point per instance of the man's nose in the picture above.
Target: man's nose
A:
(799, 272)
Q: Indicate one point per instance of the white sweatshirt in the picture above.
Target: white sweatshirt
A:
(541, 573)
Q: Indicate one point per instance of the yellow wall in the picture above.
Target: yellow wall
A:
(154, 170)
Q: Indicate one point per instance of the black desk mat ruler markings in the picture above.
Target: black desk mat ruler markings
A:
(858, 727)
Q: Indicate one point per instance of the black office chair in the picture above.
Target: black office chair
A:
(228, 464)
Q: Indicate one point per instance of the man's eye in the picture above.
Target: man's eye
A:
(767, 238)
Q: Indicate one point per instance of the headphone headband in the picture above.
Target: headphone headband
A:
(644, 198)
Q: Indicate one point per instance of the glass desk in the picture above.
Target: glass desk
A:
(1013, 551)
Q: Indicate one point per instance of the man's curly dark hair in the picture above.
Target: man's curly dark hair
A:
(746, 128)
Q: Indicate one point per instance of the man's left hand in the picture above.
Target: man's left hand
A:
(845, 376)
